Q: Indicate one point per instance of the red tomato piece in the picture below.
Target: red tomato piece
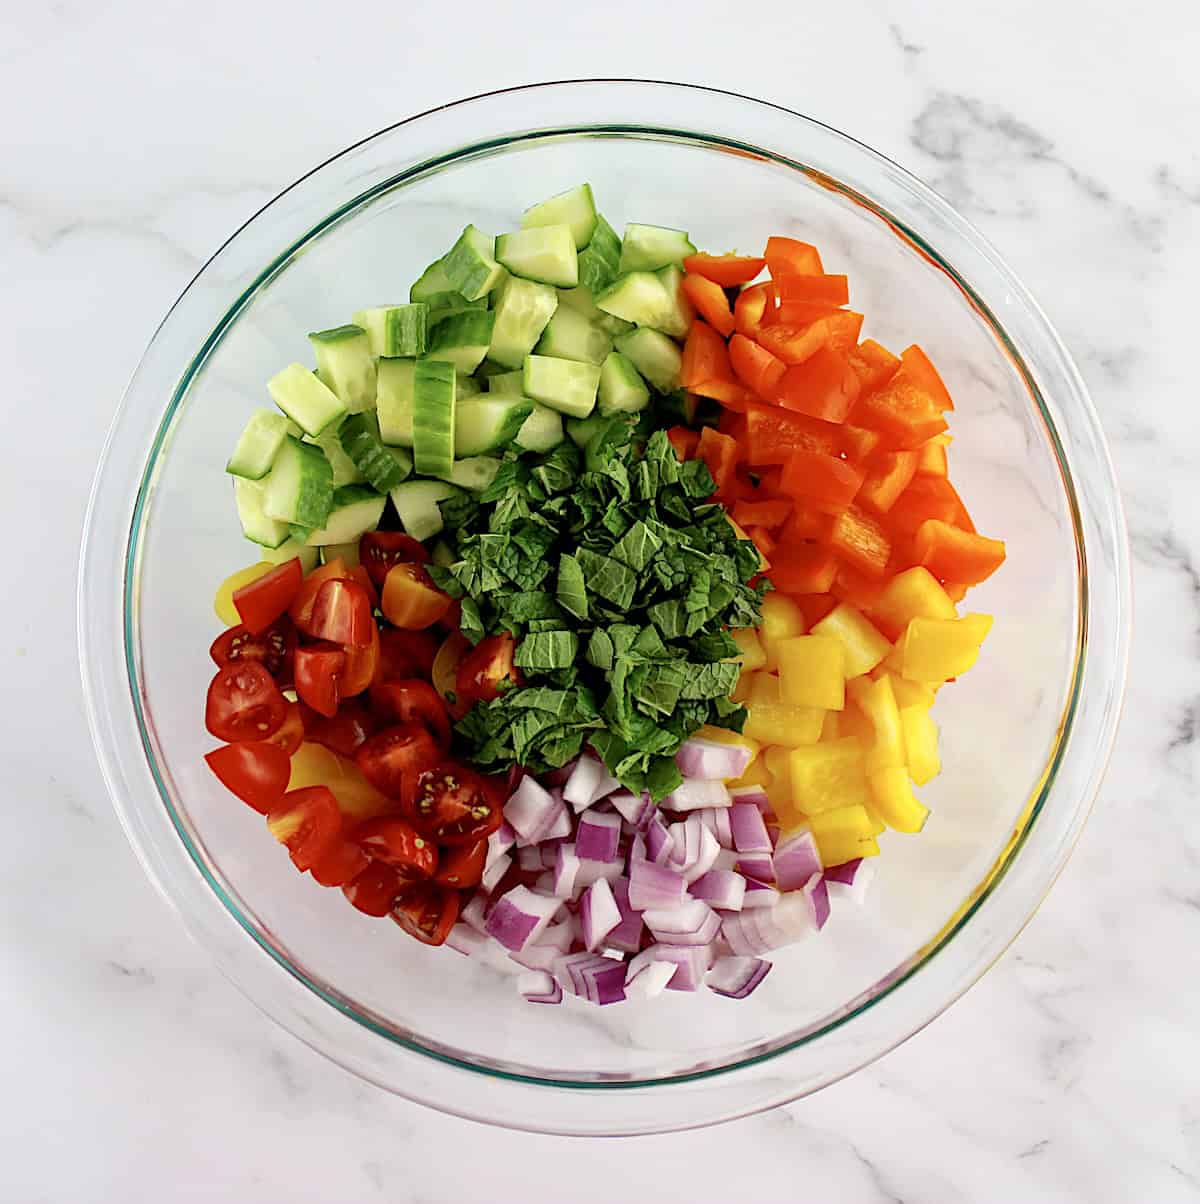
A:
(302, 604)
(754, 365)
(427, 912)
(274, 648)
(397, 843)
(244, 703)
(710, 301)
(343, 733)
(444, 672)
(290, 734)
(705, 356)
(412, 701)
(461, 867)
(318, 673)
(829, 483)
(360, 575)
(455, 805)
(392, 760)
(341, 865)
(362, 665)
(791, 257)
(380, 551)
(824, 386)
(341, 614)
(411, 600)
(726, 270)
(405, 654)
(374, 889)
(308, 822)
(262, 601)
(257, 771)
(484, 670)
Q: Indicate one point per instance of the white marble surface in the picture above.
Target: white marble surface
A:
(136, 136)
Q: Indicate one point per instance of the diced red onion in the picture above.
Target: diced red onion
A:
(543, 884)
(495, 870)
(464, 939)
(589, 782)
(566, 870)
(654, 886)
(562, 825)
(531, 811)
(759, 894)
(500, 841)
(558, 777)
(726, 859)
(634, 809)
(851, 879)
(597, 836)
(650, 979)
(627, 935)
(694, 793)
(474, 912)
(592, 871)
(753, 794)
(548, 849)
(658, 841)
(761, 930)
(536, 956)
(817, 894)
(594, 977)
(796, 860)
(749, 829)
(637, 849)
(692, 922)
(530, 857)
(758, 866)
(598, 914)
(736, 977)
(716, 820)
(690, 961)
(538, 986)
(722, 889)
(517, 917)
(693, 848)
(711, 760)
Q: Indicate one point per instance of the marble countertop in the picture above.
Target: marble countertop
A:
(136, 137)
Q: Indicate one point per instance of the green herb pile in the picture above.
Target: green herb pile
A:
(619, 579)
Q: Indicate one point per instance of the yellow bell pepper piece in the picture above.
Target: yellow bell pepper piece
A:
(757, 774)
(741, 691)
(812, 672)
(836, 850)
(894, 800)
(844, 834)
(920, 744)
(878, 703)
(779, 788)
(223, 602)
(911, 693)
(764, 687)
(313, 765)
(934, 650)
(915, 593)
(782, 619)
(781, 723)
(865, 645)
(357, 799)
(825, 777)
(722, 735)
(750, 649)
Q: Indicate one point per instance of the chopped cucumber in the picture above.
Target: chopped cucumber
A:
(522, 310)
(541, 431)
(639, 297)
(442, 555)
(347, 553)
(257, 526)
(581, 430)
(574, 208)
(470, 266)
(570, 336)
(395, 330)
(462, 339)
(304, 399)
(677, 320)
(346, 365)
(622, 389)
(394, 408)
(648, 248)
(291, 549)
(507, 384)
(345, 471)
(545, 253)
(258, 445)
(354, 510)
(580, 299)
(466, 386)
(450, 302)
(432, 280)
(381, 466)
(473, 474)
(599, 263)
(654, 355)
(433, 417)
(299, 487)
(564, 385)
(488, 423)
(416, 503)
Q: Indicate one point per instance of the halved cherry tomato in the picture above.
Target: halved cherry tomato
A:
(705, 356)
(726, 270)
(318, 672)
(302, 603)
(427, 912)
(380, 551)
(342, 864)
(392, 760)
(255, 770)
(290, 734)
(683, 440)
(455, 805)
(710, 302)
(362, 665)
(341, 613)
(244, 703)
(791, 257)
(462, 866)
(262, 601)
(359, 574)
(397, 843)
(308, 822)
(444, 672)
(405, 654)
(274, 648)
(755, 366)
(412, 701)
(484, 669)
(374, 890)
(345, 732)
(411, 600)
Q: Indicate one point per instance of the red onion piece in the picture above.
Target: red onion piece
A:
(464, 939)
(796, 859)
(752, 794)
(494, 871)
(627, 935)
(716, 820)
(749, 830)
(759, 894)
(633, 808)
(711, 760)
(694, 793)
(589, 782)
(538, 986)
(598, 836)
(500, 841)
(736, 977)
(723, 889)
(598, 914)
(692, 922)
(761, 930)
(599, 979)
(657, 841)
(758, 866)
(817, 894)
(650, 979)
(690, 961)
(850, 880)
(654, 886)
(694, 847)
(566, 870)
(474, 912)
(592, 871)
(519, 916)
(530, 858)
(726, 859)
(531, 811)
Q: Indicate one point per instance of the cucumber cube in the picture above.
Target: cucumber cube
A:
(473, 474)
(488, 423)
(522, 310)
(346, 365)
(395, 330)
(379, 464)
(507, 384)
(462, 339)
(570, 336)
(299, 487)
(304, 399)
(622, 390)
(258, 445)
(564, 385)
(545, 254)
(394, 407)
(416, 503)
(600, 261)
(353, 511)
(257, 525)
(677, 318)
(575, 208)
(470, 266)
(654, 355)
(542, 430)
(648, 248)
(433, 417)
(432, 280)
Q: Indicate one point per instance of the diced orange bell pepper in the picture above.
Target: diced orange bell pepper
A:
(874, 363)
(829, 483)
(705, 356)
(733, 424)
(800, 314)
(914, 593)
(889, 476)
(861, 542)
(772, 434)
(754, 365)
(750, 649)
(791, 257)
(925, 498)
(922, 372)
(803, 568)
(824, 386)
(956, 555)
(856, 588)
(935, 650)
(720, 453)
(858, 442)
(752, 308)
(782, 619)
(812, 672)
(814, 606)
(684, 440)
(769, 514)
(710, 302)
(730, 393)
(878, 703)
(818, 289)
(793, 342)
(764, 541)
(806, 523)
(893, 800)
(932, 460)
(903, 410)
(863, 644)
(831, 777)
(726, 270)
(920, 742)
(955, 590)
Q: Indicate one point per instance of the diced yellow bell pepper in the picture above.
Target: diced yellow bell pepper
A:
(313, 765)
(757, 774)
(812, 672)
(877, 701)
(782, 619)
(223, 602)
(779, 788)
(911, 693)
(828, 776)
(852, 722)
(915, 593)
(920, 744)
(781, 723)
(844, 834)
(894, 800)
(750, 649)
(836, 850)
(865, 645)
(876, 822)
(356, 797)
(764, 688)
(741, 691)
(934, 650)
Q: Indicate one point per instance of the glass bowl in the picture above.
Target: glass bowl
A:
(1025, 737)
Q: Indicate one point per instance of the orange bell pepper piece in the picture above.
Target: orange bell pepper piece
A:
(925, 498)
(904, 411)
(955, 591)
(829, 483)
(720, 453)
(705, 356)
(726, 270)
(823, 290)
(932, 460)
(754, 365)
(887, 479)
(684, 440)
(861, 542)
(769, 514)
(956, 555)
(751, 308)
(855, 588)
(807, 523)
(814, 607)
(824, 386)
(710, 302)
(791, 257)
(874, 363)
(733, 423)
(804, 568)
(922, 372)
(730, 393)
(764, 541)
(858, 442)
